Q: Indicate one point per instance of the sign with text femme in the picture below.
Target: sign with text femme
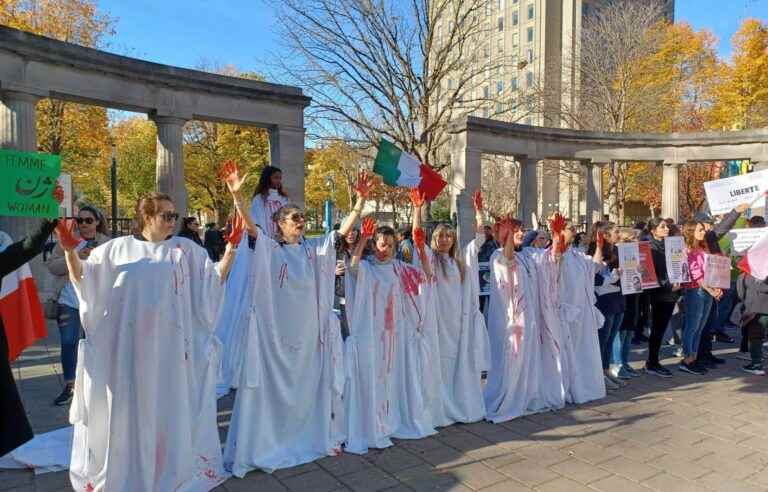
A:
(27, 181)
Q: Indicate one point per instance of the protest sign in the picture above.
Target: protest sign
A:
(484, 269)
(717, 271)
(677, 260)
(27, 181)
(647, 270)
(743, 239)
(629, 263)
(723, 195)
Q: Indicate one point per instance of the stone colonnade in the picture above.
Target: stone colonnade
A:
(472, 137)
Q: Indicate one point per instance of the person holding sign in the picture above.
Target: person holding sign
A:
(144, 407)
(697, 297)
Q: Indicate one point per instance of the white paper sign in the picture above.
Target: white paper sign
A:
(66, 208)
(723, 195)
(717, 271)
(743, 239)
(677, 260)
(629, 263)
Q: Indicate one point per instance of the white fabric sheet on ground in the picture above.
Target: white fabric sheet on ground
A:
(288, 408)
(387, 356)
(45, 453)
(232, 324)
(144, 407)
(463, 338)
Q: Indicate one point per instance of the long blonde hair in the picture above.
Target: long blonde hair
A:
(453, 251)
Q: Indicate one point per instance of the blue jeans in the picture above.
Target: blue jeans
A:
(607, 336)
(698, 304)
(69, 328)
(622, 348)
(724, 308)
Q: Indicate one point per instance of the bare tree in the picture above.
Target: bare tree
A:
(401, 70)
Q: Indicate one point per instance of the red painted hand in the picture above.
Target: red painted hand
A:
(417, 198)
(419, 238)
(230, 174)
(65, 230)
(364, 184)
(599, 240)
(236, 227)
(557, 223)
(369, 228)
(477, 201)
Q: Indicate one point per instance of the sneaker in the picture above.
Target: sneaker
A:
(658, 370)
(66, 395)
(678, 352)
(717, 360)
(705, 364)
(744, 356)
(723, 338)
(691, 369)
(618, 381)
(609, 384)
(631, 370)
(755, 369)
(623, 373)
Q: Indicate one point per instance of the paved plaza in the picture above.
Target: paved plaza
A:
(681, 434)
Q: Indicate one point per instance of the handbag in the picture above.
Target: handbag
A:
(51, 309)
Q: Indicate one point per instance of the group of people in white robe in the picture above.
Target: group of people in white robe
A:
(156, 311)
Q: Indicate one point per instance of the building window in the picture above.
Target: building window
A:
(531, 12)
(515, 39)
(500, 45)
(450, 83)
(529, 34)
(499, 108)
(486, 92)
(500, 5)
(450, 27)
(499, 87)
(515, 19)
(486, 50)
(529, 79)
(513, 84)
(488, 8)
(485, 112)
(501, 24)
(529, 55)
(584, 9)
(529, 121)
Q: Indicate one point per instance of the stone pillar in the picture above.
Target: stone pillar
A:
(18, 132)
(169, 170)
(761, 206)
(466, 164)
(670, 179)
(286, 151)
(529, 189)
(594, 178)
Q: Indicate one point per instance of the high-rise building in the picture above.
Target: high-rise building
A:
(531, 49)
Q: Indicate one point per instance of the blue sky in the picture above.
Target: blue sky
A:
(240, 32)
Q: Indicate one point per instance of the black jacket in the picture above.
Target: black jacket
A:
(14, 426)
(664, 292)
(719, 230)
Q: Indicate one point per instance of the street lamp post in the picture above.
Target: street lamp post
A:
(114, 190)
(330, 183)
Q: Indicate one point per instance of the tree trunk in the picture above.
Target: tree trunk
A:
(613, 189)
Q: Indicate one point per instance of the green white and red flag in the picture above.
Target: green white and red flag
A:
(399, 168)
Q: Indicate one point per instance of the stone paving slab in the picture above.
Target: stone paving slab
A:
(681, 434)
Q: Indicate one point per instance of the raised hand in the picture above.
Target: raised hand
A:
(364, 184)
(230, 174)
(417, 198)
(65, 230)
(58, 193)
(599, 240)
(477, 201)
(369, 228)
(557, 223)
(237, 226)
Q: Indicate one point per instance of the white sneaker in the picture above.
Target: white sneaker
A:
(618, 381)
(609, 384)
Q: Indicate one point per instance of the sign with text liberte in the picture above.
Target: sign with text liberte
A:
(723, 195)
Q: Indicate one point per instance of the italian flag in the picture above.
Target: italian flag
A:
(400, 168)
(21, 311)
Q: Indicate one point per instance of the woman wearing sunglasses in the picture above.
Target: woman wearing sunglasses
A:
(288, 405)
(144, 405)
(91, 229)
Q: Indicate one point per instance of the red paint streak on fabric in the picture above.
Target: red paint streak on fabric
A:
(375, 296)
(389, 330)
(210, 474)
(89, 487)
(410, 278)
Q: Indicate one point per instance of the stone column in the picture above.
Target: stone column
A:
(670, 179)
(466, 164)
(529, 189)
(286, 151)
(18, 132)
(169, 170)
(594, 192)
(761, 206)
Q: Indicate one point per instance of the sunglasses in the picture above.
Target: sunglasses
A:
(297, 217)
(85, 220)
(169, 216)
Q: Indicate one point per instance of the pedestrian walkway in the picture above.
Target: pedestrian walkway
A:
(681, 434)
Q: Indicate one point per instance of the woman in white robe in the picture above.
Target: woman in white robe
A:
(288, 409)
(454, 301)
(232, 325)
(390, 355)
(580, 320)
(525, 376)
(144, 407)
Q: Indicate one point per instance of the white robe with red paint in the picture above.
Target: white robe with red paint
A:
(388, 358)
(144, 407)
(461, 333)
(232, 325)
(580, 320)
(288, 408)
(525, 375)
